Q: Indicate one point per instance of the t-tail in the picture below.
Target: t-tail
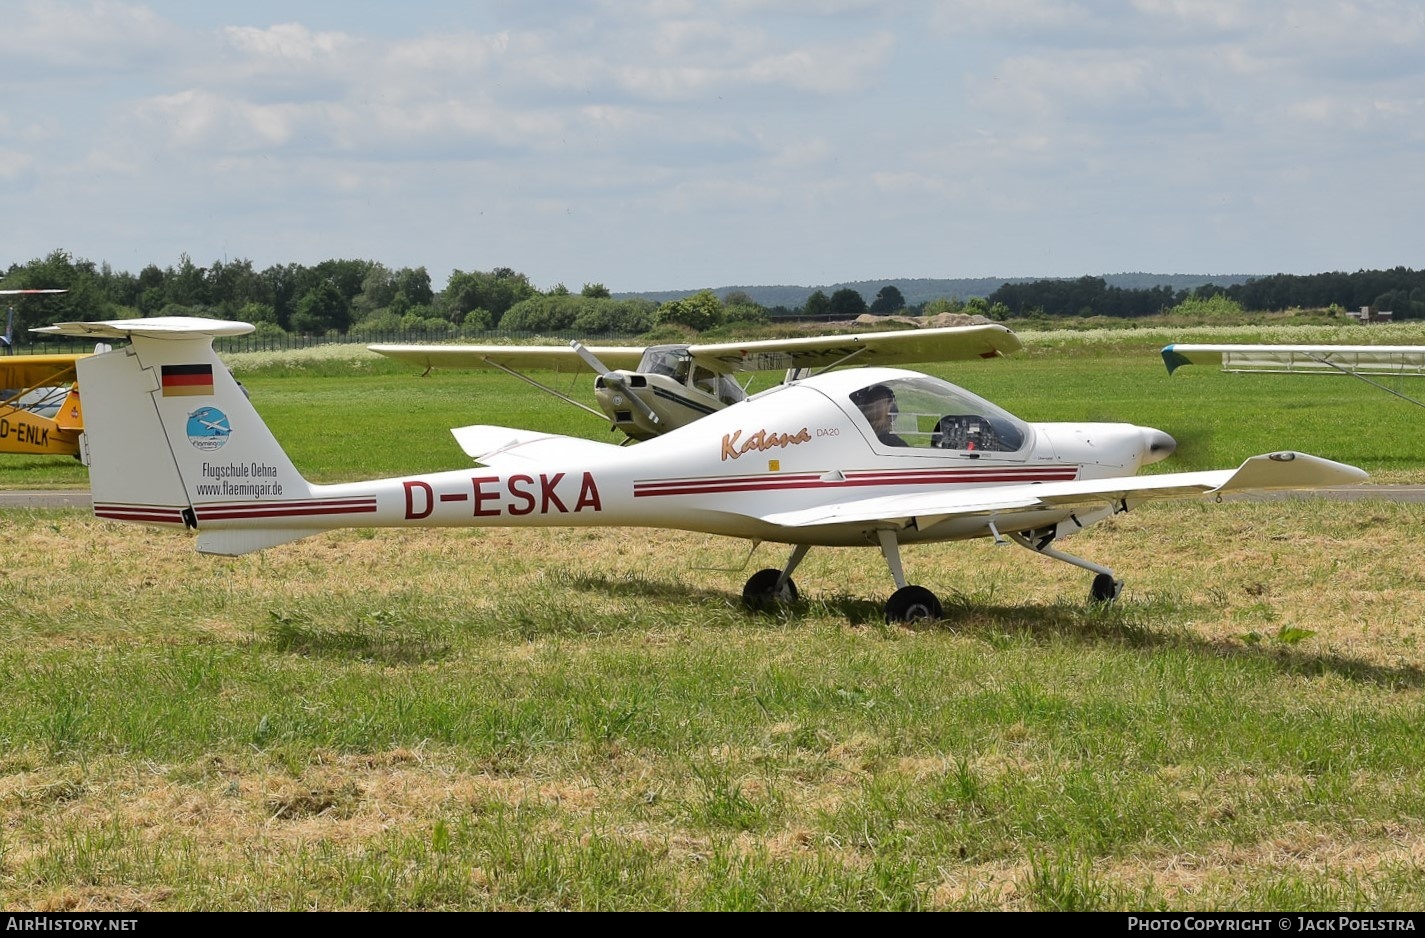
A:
(172, 440)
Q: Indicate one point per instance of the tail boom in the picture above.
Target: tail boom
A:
(461, 498)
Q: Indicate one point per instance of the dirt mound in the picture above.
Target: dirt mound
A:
(938, 321)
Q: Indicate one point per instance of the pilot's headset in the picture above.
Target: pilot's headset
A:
(876, 392)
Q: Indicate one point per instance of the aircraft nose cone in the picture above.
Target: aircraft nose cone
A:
(1157, 445)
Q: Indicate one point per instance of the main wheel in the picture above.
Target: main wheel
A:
(1105, 588)
(761, 593)
(913, 604)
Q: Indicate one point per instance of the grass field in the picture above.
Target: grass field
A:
(585, 719)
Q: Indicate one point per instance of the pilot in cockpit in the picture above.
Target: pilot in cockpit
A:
(878, 405)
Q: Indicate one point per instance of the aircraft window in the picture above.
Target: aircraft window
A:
(671, 361)
(704, 380)
(729, 391)
(927, 413)
(971, 432)
(878, 405)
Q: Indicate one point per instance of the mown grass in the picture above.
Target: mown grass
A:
(578, 719)
(547, 719)
(345, 413)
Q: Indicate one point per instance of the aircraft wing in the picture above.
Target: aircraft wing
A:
(513, 357)
(1268, 472)
(508, 448)
(904, 346)
(1302, 359)
(20, 372)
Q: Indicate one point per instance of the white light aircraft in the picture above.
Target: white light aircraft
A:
(1358, 361)
(645, 392)
(875, 456)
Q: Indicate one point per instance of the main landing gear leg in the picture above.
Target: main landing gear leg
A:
(1106, 586)
(907, 603)
(769, 588)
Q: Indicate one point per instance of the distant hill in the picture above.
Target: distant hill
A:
(922, 290)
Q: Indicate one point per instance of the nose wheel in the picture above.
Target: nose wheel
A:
(1105, 588)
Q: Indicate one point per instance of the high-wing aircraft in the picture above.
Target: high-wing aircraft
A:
(39, 404)
(870, 456)
(645, 392)
(1358, 361)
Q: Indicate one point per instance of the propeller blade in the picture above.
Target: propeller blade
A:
(615, 380)
(589, 357)
(619, 383)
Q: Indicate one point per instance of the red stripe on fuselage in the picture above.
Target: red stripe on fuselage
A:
(292, 509)
(773, 482)
(140, 513)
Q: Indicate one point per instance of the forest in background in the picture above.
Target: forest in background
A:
(365, 297)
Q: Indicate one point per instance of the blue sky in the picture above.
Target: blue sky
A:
(672, 144)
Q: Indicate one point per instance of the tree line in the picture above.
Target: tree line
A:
(1399, 290)
(364, 296)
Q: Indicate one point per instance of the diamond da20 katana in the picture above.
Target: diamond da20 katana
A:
(877, 457)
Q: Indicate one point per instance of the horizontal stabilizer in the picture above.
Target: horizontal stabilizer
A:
(156, 327)
(496, 446)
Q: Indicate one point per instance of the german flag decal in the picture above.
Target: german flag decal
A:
(187, 380)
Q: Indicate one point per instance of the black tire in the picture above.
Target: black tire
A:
(1105, 588)
(759, 596)
(913, 604)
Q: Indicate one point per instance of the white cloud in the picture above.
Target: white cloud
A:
(91, 37)
(288, 45)
(755, 130)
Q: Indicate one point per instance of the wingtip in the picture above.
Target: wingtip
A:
(1174, 359)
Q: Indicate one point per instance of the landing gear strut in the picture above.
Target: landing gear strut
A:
(769, 588)
(907, 603)
(1106, 586)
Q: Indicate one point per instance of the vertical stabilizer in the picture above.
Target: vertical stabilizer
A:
(172, 439)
